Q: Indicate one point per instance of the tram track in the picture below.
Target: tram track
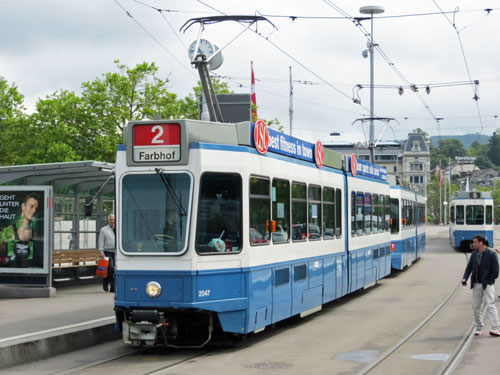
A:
(453, 359)
(149, 356)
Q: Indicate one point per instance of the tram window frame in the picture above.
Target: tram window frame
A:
(452, 214)
(257, 196)
(224, 221)
(329, 212)
(387, 213)
(368, 213)
(360, 210)
(473, 215)
(285, 232)
(147, 209)
(376, 213)
(299, 211)
(338, 213)
(460, 209)
(314, 199)
(489, 215)
(395, 214)
(353, 214)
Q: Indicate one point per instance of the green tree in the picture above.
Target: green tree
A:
(494, 148)
(11, 117)
(190, 104)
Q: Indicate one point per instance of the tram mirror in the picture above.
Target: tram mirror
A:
(88, 206)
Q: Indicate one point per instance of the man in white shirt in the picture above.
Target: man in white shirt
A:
(108, 249)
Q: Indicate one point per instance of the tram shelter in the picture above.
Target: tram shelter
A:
(83, 197)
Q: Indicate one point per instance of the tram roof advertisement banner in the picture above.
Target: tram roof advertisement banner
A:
(285, 144)
(364, 168)
(24, 229)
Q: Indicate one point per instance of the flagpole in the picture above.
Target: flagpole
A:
(253, 102)
(440, 198)
(290, 108)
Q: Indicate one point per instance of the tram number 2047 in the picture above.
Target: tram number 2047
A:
(204, 293)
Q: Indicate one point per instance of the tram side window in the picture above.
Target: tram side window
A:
(460, 215)
(360, 220)
(281, 211)
(452, 214)
(368, 214)
(420, 214)
(378, 202)
(328, 213)
(387, 210)
(260, 211)
(489, 214)
(314, 227)
(353, 213)
(474, 215)
(394, 216)
(219, 223)
(299, 212)
(338, 213)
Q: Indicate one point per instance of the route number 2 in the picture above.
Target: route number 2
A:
(159, 133)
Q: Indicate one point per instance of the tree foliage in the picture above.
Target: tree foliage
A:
(66, 126)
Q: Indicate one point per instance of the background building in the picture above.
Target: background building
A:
(407, 162)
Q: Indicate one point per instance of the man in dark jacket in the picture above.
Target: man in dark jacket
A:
(483, 264)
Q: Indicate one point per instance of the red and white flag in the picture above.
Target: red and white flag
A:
(440, 176)
(254, 97)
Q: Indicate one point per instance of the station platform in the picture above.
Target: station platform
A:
(34, 328)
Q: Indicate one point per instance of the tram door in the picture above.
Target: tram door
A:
(282, 292)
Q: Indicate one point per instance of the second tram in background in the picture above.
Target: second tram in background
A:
(471, 213)
(408, 217)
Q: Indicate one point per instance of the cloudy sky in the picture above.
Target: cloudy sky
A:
(58, 44)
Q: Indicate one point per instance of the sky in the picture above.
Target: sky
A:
(49, 45)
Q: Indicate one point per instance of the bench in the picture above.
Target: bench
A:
(74, 263)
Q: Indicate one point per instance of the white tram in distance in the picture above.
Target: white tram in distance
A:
(229, 228)
(471, 213)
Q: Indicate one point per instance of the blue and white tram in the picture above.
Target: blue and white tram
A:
(228, 228)
(471, 213)
(408, 236)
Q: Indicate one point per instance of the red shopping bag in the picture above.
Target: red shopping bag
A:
(102, 267)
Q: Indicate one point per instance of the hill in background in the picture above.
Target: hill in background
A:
(466, 139)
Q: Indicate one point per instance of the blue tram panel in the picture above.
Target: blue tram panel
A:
(209, 248)
(471, 213)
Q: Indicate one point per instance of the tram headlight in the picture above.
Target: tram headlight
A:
(153, 289)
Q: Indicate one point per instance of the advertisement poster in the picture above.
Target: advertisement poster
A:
(24, 216)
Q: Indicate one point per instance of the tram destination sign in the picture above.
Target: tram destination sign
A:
(156, 142)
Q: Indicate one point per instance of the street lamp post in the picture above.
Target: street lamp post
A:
(371, 10)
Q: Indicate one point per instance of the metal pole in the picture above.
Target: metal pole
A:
(372, 127)
(440, 198)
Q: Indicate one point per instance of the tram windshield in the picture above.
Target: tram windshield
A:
(154, 212)
(474, 215)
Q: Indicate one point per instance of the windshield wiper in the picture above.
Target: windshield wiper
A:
(180, 210)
